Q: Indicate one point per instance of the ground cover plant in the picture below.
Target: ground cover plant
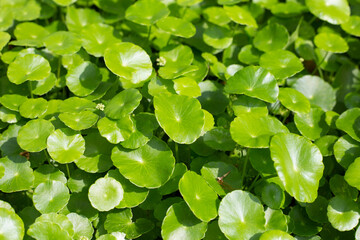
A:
(179, 119)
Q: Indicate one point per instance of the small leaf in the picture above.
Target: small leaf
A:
(343, 213)
(147, 12)
(294, 100)
(349, 122)
(63, 43)
(177, 27)
(105, 194)
(334, 12)
(65, 145)
(351, 174)
(240, 15)
(331, 42)
(12, 227)
(273, 36)
(79, 120)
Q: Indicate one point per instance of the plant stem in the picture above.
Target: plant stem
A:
(59, 68)
(244, 168)
(318, 65)
(177, 151)
(149, 33)
(30, 89)
(68, 170)
(253, 183)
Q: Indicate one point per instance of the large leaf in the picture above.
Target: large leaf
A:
(334, 12)
(299, 165)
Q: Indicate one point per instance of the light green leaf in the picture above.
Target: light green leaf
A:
(11, 227)
(331, 42)
(334, 12)
(240, 15)
(147, 12)
(299, 165)
(343, 213)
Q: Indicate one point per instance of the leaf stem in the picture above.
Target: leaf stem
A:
(30, 89)
(254, 184)
(68, 170)
(177, 151)
(244, 167)
(318, 66)
(149, 33)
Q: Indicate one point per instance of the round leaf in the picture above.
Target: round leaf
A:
(312, 125)
(349, 122)
(177, 27)
(281, 63)
(331, 42)
(352, 26)
(47, 231)
(294, 100)
(351, 175)
(65, 146)
(33, 135)
(254, 82)
(33, 108)
(116, 131)
(50, 196)
(149, 166)
(273, 36)
(128, 61)
(123, 104)
(180, 222)
(346, 150)
(343, 213)
(181, 117)
(299, 165)
(18, 175)
(146, 12)
(79, 120)
(83, 79)
(62, 43)
(105, 194)
(319, 92)
(276, 234)
(334, 12)
(29, 67)
(11, 227)
(241, 215)
(240, 15)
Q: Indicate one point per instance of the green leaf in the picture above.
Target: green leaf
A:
(273, 196)
(128, 61)
(300, 223)
(273, 36)
(122, 222)
(343, 213)
(147, 12)
(241, 215)
(33, 135)
(248, 105)
(181, 117)
(149, 166)
(82, 226)
(79, 120)
(83, 79)
(65, 145)
(96, 38)
(349, 122)
(50, 196)
(47, 231)
(255, 131)
(240, 15)
(352, 26)
(177, 27)
(334, 12)
(326, 144)
(116, 131)
(331, 42)
(276, 234)
(9, 116)
(254, 82)
(200, 198)
(213, 98)
(351, 174)
(18, 175)
(346, 150)
(317, 210)
(46, 173)
(133, 195)
(33, 108)
(319, 92)
(12, 101)
(249, 55)
(123, 104)
(43, 86)
(12, 227)
(299, 165)
(186, 86)
(281, 63)
(294, 100)
(105, 194)
(261, 161)
(77, 18)
(31, 67)
(312, 125)
(180, 222)
(63, 43)
(217, 36)
(64, 3)
(4, 39)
